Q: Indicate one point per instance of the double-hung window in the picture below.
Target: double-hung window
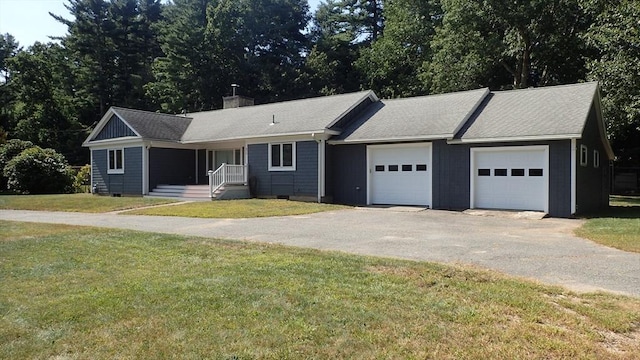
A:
(115, 161)
(282, 156)
(584, 155)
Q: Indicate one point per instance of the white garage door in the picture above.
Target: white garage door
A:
(400, 174)
(510, 178)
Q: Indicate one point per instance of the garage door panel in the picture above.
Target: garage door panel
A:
(400, 175)
(511, 179)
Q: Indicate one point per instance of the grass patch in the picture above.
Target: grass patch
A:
(76, 202)
(617, 227)
(72, 292)
(249, 208)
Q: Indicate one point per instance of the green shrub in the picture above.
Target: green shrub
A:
(82, 180)
(39, 171)
(8, 151)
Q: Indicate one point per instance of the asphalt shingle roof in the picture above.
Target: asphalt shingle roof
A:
(152, 125)
(555, 111)
(424, 117)
(287, 117)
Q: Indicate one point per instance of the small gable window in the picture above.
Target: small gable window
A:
(282, 156)
(596, 159)
(583, 155)
(115, 161)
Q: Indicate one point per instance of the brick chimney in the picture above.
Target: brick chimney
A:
(236, 101)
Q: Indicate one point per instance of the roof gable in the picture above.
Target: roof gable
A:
(424, 117)
(535, 113)
(114, 128)
(155, 126)
(119, 123)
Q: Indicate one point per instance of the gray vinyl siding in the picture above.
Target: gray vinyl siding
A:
(348, 166)
(114, 128)
(171, 167)
(129, 183)
(592, 184)
(132, 177)
(301, 182)
(99, 171)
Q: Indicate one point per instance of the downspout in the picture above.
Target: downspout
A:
(574, 179)
(320, 166)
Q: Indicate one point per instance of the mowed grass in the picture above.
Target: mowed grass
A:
(249, 208)
(618, 226)
(76, 202)
(86, 293)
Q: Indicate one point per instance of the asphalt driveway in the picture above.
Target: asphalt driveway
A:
(544, 250)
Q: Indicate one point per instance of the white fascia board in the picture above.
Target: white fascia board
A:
(392, 139)
(472, 111)
(257, 139)
(118, 142)
(370, 95)
(96, 130)
(125, 122)
(103, 121)
(601, 126)
(515, 139)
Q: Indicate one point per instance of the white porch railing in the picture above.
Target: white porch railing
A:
(226, 174)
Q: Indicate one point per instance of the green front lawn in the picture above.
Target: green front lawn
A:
(86, 293)
(249, 208)
(617, 227)
(76, 202)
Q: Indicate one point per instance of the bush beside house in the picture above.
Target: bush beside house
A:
(29, 169)
(8, 151)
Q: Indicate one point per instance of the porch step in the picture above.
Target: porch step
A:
(226, 192)
(181, 191)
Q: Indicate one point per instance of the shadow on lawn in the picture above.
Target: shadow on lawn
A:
(622, 207)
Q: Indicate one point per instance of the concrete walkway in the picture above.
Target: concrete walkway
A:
(545, 250)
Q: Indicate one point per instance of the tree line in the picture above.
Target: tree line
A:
(182, 56)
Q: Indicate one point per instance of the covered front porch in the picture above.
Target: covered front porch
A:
(202, 171)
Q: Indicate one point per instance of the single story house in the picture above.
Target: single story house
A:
(541, 149)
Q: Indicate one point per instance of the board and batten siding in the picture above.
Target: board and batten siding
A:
(451, 181)
(171, 167)
(348, 168)
(592, 184)
(301, 182)
(114, 129)
(452, 186)
(129, 183)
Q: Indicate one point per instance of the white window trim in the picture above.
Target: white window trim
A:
(293, 158)
(115, 171)
(596, 159)
(584, 155)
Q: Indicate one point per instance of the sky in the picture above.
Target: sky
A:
(29, 21)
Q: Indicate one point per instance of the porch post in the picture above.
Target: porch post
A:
(210, 172)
